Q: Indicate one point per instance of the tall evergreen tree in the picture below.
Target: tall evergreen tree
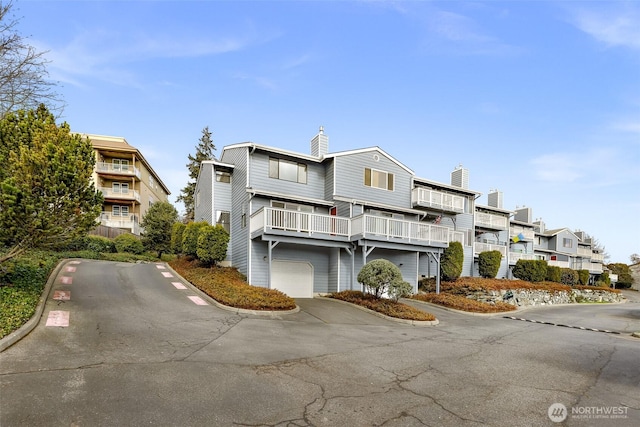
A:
(204, 151)
(46, 193)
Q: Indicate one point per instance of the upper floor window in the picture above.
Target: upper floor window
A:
(223, 218)
(152, 182)
(567, 243)
(378, 179)
(223, 177)
(287, 170)
(120, 164)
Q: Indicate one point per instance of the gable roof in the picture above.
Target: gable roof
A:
(269, 149)
(367, 150)
(445, 186)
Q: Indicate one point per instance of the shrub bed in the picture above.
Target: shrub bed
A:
(460, 302)
(384, 306)
(466, 285)
(21, 283)
(229, 287)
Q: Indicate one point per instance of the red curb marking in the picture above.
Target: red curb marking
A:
(62, 295)
(160, 266)
(67, 280)
(70, 269)
(167, 274)
(198, 301)
(58, 318)
(74, 262)
(178, 285)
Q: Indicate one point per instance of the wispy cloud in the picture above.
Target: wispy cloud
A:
(107, 55)
(616, 25)
(599, 165)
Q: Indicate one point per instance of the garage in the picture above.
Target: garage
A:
(294, 278)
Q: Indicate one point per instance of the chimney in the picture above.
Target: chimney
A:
(460, 177)
(320, 144)
(523, 214)
(495, 198)
(539, 225)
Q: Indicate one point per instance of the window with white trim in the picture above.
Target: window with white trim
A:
(122, 211)
(223, 218)
(223, 177)
(378, 179)
(120, 164)
(567, 242)
(287, 170)
(120, 187)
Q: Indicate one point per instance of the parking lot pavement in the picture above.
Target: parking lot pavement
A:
(328, 311)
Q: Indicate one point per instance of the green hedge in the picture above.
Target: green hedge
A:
(530, 270)
(128, 243)
(489, 264)
(451, 262)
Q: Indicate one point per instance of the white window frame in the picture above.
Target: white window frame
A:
(277, 166)
(375, 178)
(224, 177)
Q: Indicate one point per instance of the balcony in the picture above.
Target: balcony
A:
(330, 227)
(597, 257)
(128, 222)
(120, 194)
(390, 229)
(479, 247)
(526, 232)
(561, 264)
(271, 220)
(584, 252)
(117, 169)
(437, 200)
(491, 221)
(515, 256)
(592, 267)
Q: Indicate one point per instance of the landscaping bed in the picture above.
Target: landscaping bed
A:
(384, 306)
(229, 287)
(463, 303)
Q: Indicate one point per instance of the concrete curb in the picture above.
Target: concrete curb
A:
(393, 319)
(25, 329)
(267, 313)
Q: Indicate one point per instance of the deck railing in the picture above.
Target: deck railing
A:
(118, 169)
(379, 227)
(124, 194)
(491, 220)
(515, 256)
(129, 222)
(526, 232)
(437, 200)
(301, 222)
(485, 247)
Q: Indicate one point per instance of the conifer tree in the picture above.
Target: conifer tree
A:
(47, 196)
(204, 151)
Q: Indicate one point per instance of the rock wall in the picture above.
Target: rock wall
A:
(526, 297)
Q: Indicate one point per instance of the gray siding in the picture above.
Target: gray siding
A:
(408, 259)
(328, 180)
(204, 194)
(222, 201)
(238, 244)
(350, 179)
(259, 179)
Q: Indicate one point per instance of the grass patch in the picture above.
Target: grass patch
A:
(229, 287)
(460, 302)
(385, 306)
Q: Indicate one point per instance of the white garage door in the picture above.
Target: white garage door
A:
(294, 278)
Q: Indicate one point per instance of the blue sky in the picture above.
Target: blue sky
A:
(538, 99)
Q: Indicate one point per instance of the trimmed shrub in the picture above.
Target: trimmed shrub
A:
(176, 237)
(212, 244)
(554, 274)
(489, 264)
(99, 244)
(569, 277)
(583, 277)
(451, 262)
(378, 276)
(399, 290)
(603, 279)
(190, 238)
(128, 243)
(530, 270)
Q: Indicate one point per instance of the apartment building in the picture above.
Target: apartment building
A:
(127, 181)
(307, 223)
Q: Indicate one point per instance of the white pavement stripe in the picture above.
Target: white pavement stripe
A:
(178, 285)
(58, 318)
(167, 274)
(198, 300)
(62, 295)
(160, 266)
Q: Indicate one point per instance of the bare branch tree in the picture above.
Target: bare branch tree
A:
(24, 82)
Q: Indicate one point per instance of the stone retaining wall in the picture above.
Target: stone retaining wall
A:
(527, 297)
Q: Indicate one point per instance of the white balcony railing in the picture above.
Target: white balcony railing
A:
(597, 257)
(437, 200)
(491, 220)
(479, 247)
(368, 226)
(301, 222)
(593, 267)
(119, 193)
(129, 222)
(379, 227)
(526, 232)
(515, 256)
(584, 252)
(456, 236)
(561, 264)
(118, 169)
